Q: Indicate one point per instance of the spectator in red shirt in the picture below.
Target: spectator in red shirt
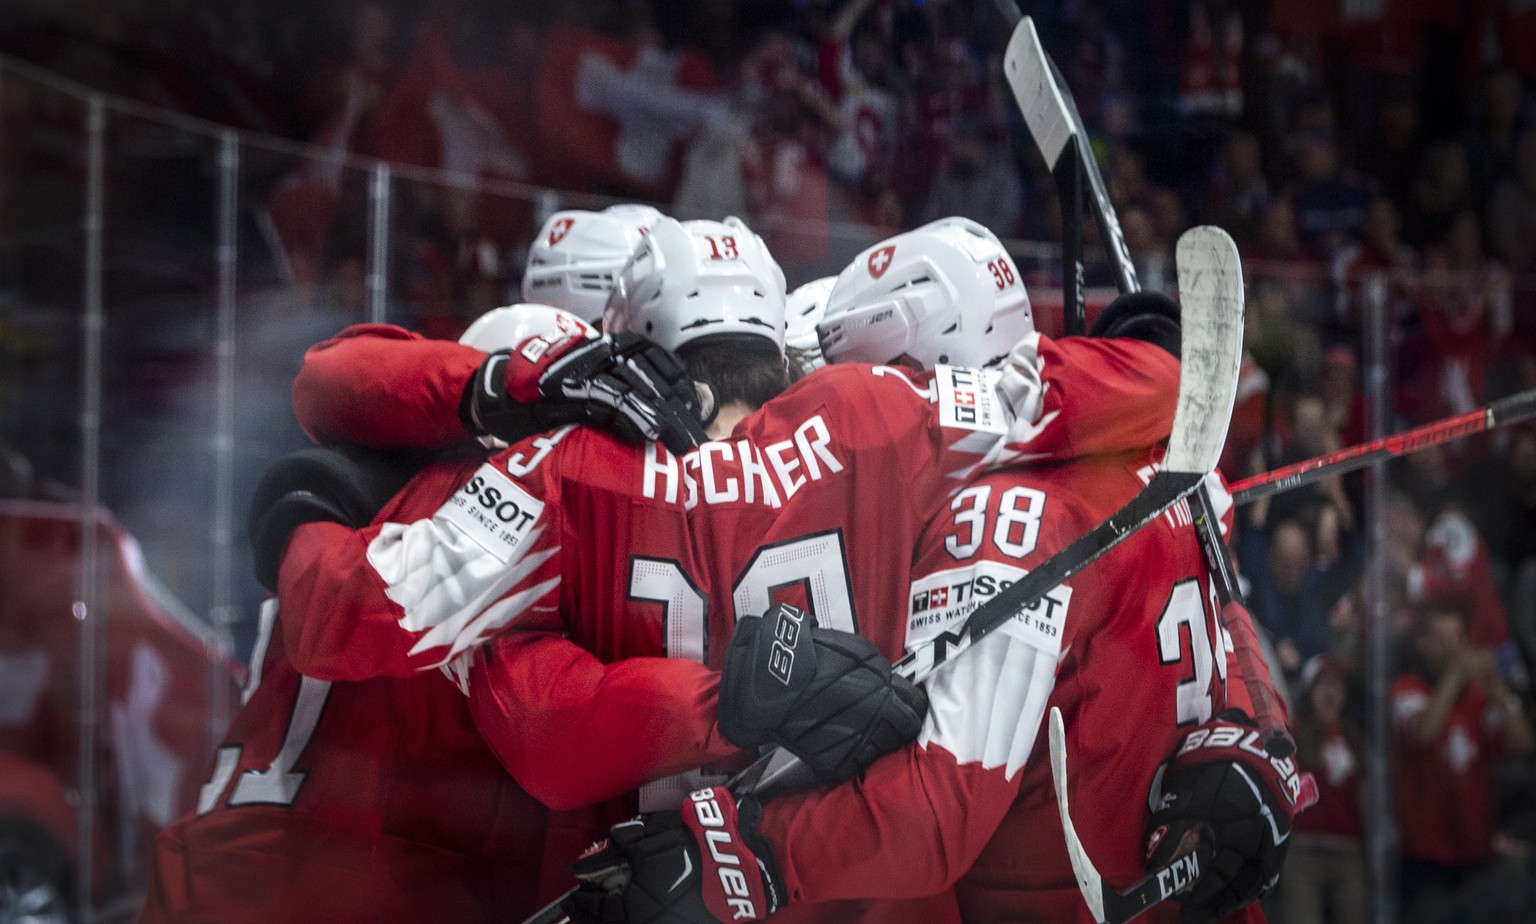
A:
(1325, 871)
(1465, 315)
(1454, 717)
(1454, 569)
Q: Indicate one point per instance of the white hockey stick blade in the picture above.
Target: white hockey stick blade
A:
(1038, 94)
(1211, 295)
(1107, 905)
(1088, 878)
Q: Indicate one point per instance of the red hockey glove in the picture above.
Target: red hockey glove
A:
(1222, 792)
(703, 865)
(622, 383)
(829, 697)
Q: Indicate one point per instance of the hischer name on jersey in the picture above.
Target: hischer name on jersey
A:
(736, 471)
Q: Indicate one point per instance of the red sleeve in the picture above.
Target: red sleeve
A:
(460, 553)
(382, 386)
(1409, 698)
(1099, 396)
(339, 622)
(829, 61)
(911, 826)
(573, 731)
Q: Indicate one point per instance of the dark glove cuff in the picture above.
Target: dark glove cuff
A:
(467, 408)
(1146, 315)
(749, 813)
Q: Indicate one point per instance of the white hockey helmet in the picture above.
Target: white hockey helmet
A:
(695, 279)
(573, 261)
(944, 293)
(803, 311)
(504, 328)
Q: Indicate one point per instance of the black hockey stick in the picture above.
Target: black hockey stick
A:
(1058, 132)
(1108, 905)
(1512, 409)
(1210, 357)
(1048, 111)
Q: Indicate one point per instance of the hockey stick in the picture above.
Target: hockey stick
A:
(1211, 354)
(1057, 129)
(1512, 409)
(1051, 116)
(1108, 905)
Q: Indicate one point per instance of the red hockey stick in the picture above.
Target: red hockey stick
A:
(1509, 410)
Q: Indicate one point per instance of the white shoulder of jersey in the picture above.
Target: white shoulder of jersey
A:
(466, 571)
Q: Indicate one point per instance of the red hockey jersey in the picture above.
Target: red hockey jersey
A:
(372, 801)
(636, 552)
(1132, 650)
(645, 560)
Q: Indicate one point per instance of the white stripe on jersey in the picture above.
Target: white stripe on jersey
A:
(446, 582)
(988, 706)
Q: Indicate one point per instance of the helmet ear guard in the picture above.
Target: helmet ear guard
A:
(947, 292)
(804, 309)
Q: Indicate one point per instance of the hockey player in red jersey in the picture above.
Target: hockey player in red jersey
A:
(376, 800)
(1134, 653)
(796, 455)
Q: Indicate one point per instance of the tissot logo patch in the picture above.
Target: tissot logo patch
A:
(968, 399)
(941, 600)
(494, 511)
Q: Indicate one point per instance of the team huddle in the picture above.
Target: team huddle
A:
(546, 590)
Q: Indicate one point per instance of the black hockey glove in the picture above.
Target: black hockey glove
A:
(1223, 794)
(829, 697)
(345, 484)
(622, 383)
(704, 865)
(1146, 315)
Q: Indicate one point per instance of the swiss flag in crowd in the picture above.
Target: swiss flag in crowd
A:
(612, 115)
(443, 114)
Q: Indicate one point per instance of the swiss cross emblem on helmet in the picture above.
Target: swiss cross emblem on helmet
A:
(880, 260)
(560, 230)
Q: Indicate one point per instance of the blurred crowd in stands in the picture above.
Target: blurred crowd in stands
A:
(1367, 155)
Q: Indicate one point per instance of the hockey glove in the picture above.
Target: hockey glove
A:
(621, 383)
(1222, 792)
(1147, 315)
(703, 865)
(828, 697)
(346, 485)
